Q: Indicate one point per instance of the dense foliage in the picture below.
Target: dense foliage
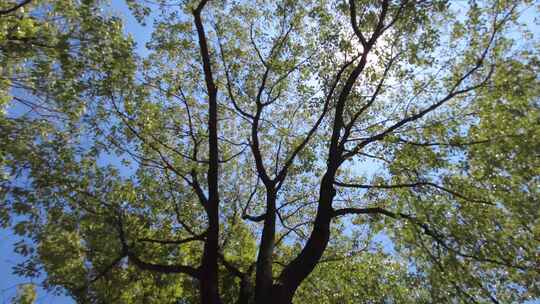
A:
(361, 151)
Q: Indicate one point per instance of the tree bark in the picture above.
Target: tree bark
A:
(293, 275)
(263, 277)
(209, 281)
(246, 291)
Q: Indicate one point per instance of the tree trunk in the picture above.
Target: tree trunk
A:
(263, 277)
(246, 291)
(293, 275)
(209, 289)
(209, 281)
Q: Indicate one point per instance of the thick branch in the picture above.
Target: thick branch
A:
(354, 23)
(453, 93)
(193, 272)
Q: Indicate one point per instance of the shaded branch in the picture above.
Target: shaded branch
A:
(175, 242)
(426, 229)
(413, 185)
(193, 272)
(14, 8)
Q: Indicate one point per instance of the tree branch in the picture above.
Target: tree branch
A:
(14, 8)
(175, 242)
(413, 185)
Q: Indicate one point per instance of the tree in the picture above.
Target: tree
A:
(262, 151)
(26, 294)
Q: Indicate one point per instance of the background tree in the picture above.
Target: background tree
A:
(26, 294)
(274, 151)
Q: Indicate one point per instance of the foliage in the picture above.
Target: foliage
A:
(26, 294)
(273, 151)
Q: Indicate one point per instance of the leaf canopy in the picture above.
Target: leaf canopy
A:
(367, 151)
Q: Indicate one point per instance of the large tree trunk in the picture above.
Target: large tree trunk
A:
(209, 281)
(263, 277)
(209, 289)
(246, 291)
(293, 275)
